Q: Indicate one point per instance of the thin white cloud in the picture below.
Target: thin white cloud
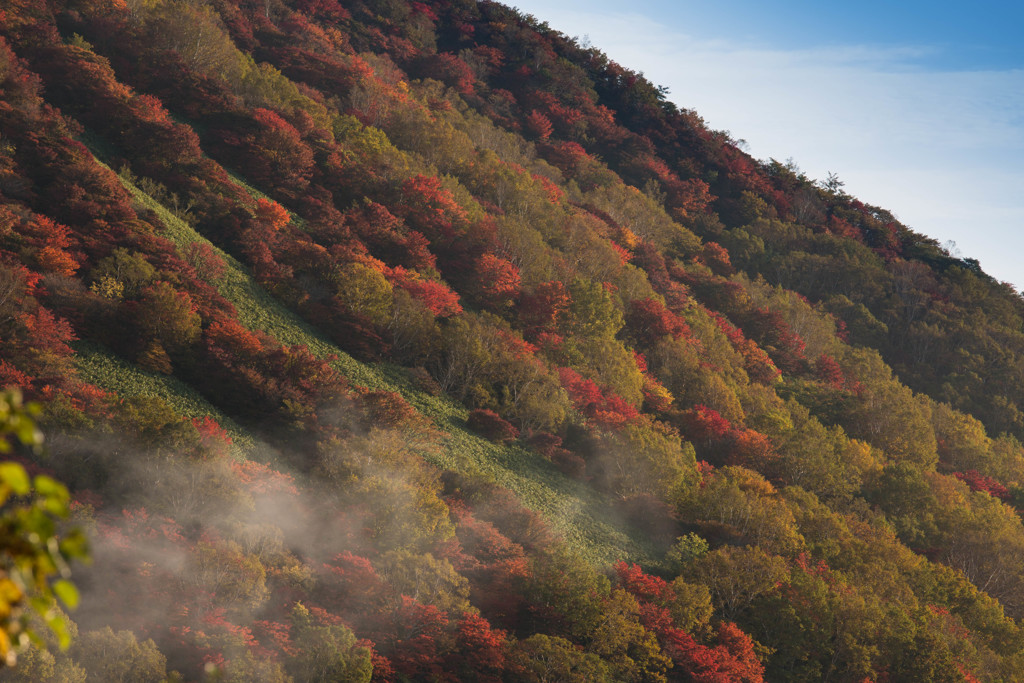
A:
(943, 150)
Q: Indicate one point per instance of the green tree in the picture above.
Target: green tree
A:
(236, 580)
(39, 665)
(887, 414)
(168, 317)
(645, 458)
(594, 311)
(119, 657)
(610, 364)
(686, 549)
(550, 659)
(426, 579)
(365, 291)
(325, 652)
(620, 639)
(736, 577)
(124, 272)
(744, 504)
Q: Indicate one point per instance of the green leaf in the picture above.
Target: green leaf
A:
(55, 495)
(55, 506)
(14, 475)
(59, 626)
(27, 432)
(66, 591)
(49, 487)
(75, 545)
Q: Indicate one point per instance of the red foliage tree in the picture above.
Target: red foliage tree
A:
(326, 9)
(750, 449)
(387, 408)
(827, 370)
(207, 263)
(648, 320)
(544, 308)
(45, 347)
(479, 651)
(450, 70)
(704, 424)
(569, 157)
(716, 258)
(271, 215)
(435, 295)
(496, 282)
(426, 204)
(230, 336)
(488, 424)
(277, 155)
(214, 438)
(731, 659)
(416, 639)
(539, 125)
(642, 585)
(550, 446)
(690, 197)
(388, 238)
(55, 260)
(493, 563)
(605, 408)
(777, 347)
(263, 480)
(351, 580)
(979, 482)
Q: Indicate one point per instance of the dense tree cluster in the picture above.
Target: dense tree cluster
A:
(805, 418)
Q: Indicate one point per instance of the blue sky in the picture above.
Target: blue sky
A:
(919, 108)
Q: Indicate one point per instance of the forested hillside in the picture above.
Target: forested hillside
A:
(390, 340)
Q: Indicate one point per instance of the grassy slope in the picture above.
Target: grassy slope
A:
(581, 514)
(99, 366)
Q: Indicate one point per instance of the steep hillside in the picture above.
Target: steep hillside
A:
(396, 340)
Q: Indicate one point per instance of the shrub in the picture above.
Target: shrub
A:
(489, 425)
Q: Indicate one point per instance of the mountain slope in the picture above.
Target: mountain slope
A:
(400, 322)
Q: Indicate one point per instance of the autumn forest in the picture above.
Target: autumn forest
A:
(398, 340)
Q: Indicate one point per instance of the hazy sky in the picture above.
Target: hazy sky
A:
(919, 108)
